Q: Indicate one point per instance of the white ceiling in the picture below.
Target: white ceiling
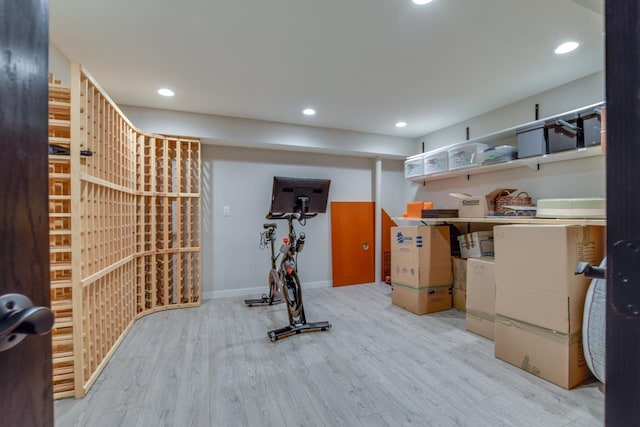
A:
(362, 64)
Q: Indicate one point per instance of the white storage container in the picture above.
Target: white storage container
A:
(414, 166)
(503, 153)
(465, 155)
(435, 161)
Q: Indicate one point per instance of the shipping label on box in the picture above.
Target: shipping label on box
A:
(421, 256)
(479, 206)
(556, 357)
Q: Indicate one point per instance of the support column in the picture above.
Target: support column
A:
(378, 219)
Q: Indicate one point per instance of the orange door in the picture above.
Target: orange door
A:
(353, 242)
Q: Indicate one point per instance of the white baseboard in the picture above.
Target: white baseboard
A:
(258, 291)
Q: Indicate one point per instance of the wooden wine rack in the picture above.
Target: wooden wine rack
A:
(60, 239)
(124, 220)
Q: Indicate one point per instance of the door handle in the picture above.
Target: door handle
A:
(19, 318)
(590, 271)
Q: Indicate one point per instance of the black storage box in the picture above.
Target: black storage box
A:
(532, 140)
(564, 134)
(591, 126)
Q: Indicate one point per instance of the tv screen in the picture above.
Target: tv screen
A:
(299, 195)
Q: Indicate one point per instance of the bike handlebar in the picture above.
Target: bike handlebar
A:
(270, 225)
(293, 215)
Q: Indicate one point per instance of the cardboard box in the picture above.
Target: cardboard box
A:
(421, 256)
(478, 206)
(481, 296)
(554, 356)
(459, 273)
(480, 323)
(477, 244)
(459, 299)
(423, 300)
(534, 269)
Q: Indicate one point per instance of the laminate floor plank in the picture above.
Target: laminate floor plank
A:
(374, 393)
(546, 400)
(379, 365)
(162, 397)
(227, 408)
(193, 403)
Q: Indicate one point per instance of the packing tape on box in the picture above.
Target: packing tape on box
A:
(559, 337)
(404, 285)
(480, 315)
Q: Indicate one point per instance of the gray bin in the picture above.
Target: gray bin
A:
(532, 141)
(591, 125)
(564, 134)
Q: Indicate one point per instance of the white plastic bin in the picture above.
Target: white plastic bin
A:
(414, 166)
(465, 155)
(436, 161)
(502, 153)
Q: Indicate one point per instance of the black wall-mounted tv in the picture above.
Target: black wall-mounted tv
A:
(299, 195)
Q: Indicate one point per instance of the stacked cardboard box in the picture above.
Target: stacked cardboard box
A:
(459, 283)
(421, 272)
(481, 296)
(479, 206)
(539, 299)
(476, 245)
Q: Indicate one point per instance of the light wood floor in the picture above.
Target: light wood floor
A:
(379, 366)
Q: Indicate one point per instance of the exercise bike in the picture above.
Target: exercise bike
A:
(291, 288)
(268, 237)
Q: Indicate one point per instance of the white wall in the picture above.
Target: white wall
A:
(241, 178)
(59, 65)
(238, 172)
(239, 132)
(578, 93)
(396, 190)
(575, 178)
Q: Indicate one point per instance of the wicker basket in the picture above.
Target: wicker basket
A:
(521, 199)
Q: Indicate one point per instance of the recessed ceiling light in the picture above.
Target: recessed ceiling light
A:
(567, 47)
(421, 2)
(165, 92)
(308, 111)
(401, 124)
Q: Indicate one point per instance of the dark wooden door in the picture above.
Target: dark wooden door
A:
(353, 242)
(623, 213)
(26, 394)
